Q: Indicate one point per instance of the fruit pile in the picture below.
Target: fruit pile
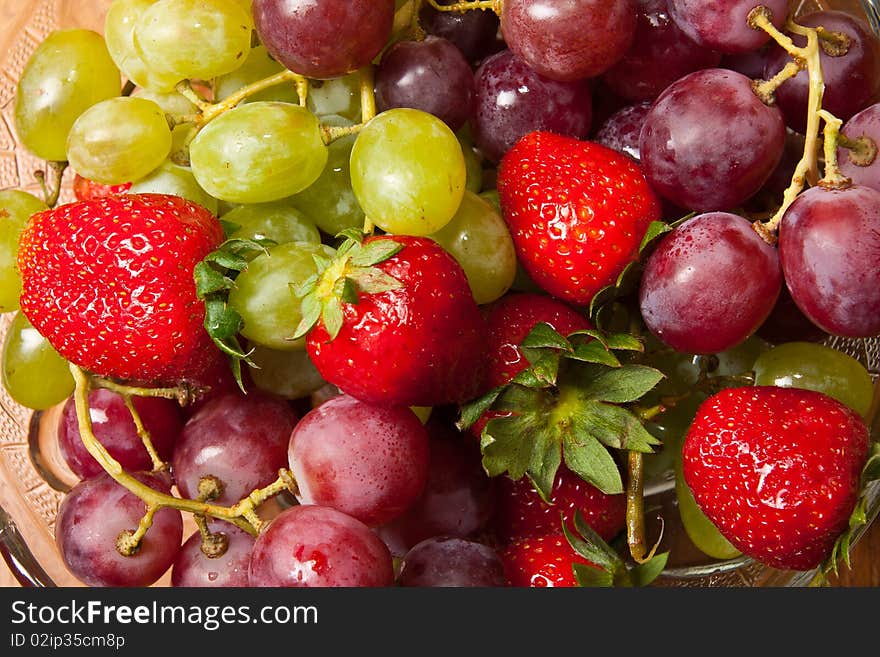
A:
(426, 293)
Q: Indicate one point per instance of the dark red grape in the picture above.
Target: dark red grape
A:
(852, 81)
(710, 284)
(472, 32)
(90, 519)
(193, 568)
(709, 143)
(368, 461)
(240, 439)
(569, 40)
(865, 124)
(723, 25)
(114, 428)
(622, 129)
(314, 546)
(431, 75)
(829, 246)
(451, 562)
(751, 63)
(513, 100)
(323, 38)
(659, 55)
(787, 323)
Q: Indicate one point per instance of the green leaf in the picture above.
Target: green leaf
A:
(542, 373)
(544, 336)
(311, 313)
(624, 342)
(331, 313)
(594, 352)
(229, 227)
(321, 263)
(871, 471)
(592, 577)
(644, 573)
(349, 291)
(614, 426)
(585, 456)
(209, 280)
(505, 449)
(624, 384)
(655, 230)
(372, 280)
(221, 322)
(355, 235)
(588, 544)
(474, 410)
(375, 252)
(601, 299)
(227, 260)
(302, 289)
(546, 458)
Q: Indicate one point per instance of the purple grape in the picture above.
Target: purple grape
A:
(710, 284)
(472, 32)
(787, 323)
(91, 517)
(829, 246)
(513, 100)
(458, 497)
(864, 124)
(314, 546)
(114, 428)
(368, 461)
(452, 562)
(709, 143)
(430, 75)
(240, 439)
(323, 39)
(193, 568)
(723, 25)
(622, 129)
(852, 81)
(660, 54)
(569, 40)
(751, 63)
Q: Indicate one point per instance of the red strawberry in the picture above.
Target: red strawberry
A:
(109, 283)
(88, 190)
(541, 562)
(399, 329)
(777, 470)
(577, 212)
(520, 512)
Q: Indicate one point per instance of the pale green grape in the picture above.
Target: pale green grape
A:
(119, 23)
(408, 172)
(119, 140)
(278, 221)
(479, 240)
(258, 66)
(193, 38)
(340, 96)
(703, 534)
(491, 195)
(472, 162)
(171, 102)
(16, 207)
(288, 374)
(259, 152)
(69, 72)
(170, 178)
(34, 374)
(263, 297)
(330, 200)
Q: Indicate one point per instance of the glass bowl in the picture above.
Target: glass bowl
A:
(33, 476)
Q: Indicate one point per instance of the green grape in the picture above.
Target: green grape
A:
(34, 374)
(473, 165)
(263, 297)
(278, 221)
(259, 152)
(340, 96)
(479, 240)
(820, 368)
(119, 24)
(171, 102)
(288, 374)
(198, 39)
(69, 72)
(408, 172)
(258, 66)
(119, 140)
(330, 199)
(170, 178)
(16, 207)
(703, 534)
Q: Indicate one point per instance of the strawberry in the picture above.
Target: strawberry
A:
(88, 190)
(577, 212)
(393, 321)
(109, 283)
(541, 562)
(777, 470)
(520, 512)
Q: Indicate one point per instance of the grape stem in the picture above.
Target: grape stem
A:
(128, 541)
(635, 512)
(53, 192)
(184, 394)
(242, 514)
(462, 7)
(368, 95)
(834, 178)
(862, 151)
(158, 464)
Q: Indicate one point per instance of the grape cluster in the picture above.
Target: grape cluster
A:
(299, 123)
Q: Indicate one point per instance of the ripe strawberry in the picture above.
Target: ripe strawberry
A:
(541, 562)
(521, 513)
(88, 190)
(109, 283)
(777, 470)
(577, 212)
(397, 329)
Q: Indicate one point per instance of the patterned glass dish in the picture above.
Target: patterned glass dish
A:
(33, 477)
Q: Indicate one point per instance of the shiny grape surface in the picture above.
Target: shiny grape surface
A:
(170, 178)
(723, 25)
(622, 129)
(288, 374)
(119, 23)
(279, 222)
(34, 374)
(865, 124)
(193, 568)
(16, 207)
(451, 562)
(472, 32)
(257, 66)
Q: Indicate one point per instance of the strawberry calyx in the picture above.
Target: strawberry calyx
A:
(569, 405)
(608, 569)
(344, 278)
